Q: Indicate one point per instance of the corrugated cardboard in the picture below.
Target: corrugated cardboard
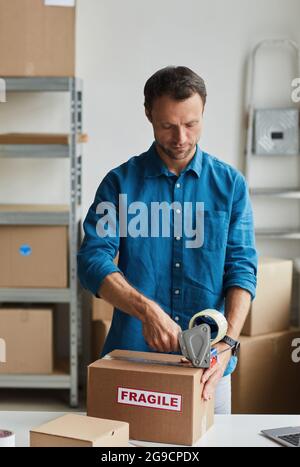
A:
(33, 256)
(270, 311)
(99, 332)
(101, 309)
(77, 430)
(35, 39)
(28, 336)
(161, 403)
(267, 381)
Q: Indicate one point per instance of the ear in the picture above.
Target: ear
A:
(148, 115)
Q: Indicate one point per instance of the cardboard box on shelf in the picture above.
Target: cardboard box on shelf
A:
(36, 39)
(161, 402)
(101, 309)
(99, 332)
(33, 256)
(267, 380)
(74, 430)
(270, 311)
(29, 340)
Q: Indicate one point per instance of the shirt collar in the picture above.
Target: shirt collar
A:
(154, 165)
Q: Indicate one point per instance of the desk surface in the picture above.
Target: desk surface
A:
(228, 430)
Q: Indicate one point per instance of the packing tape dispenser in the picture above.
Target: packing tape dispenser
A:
(206, 328)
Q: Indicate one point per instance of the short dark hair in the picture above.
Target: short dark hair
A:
(178, 82)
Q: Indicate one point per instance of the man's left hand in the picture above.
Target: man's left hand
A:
(212, 376)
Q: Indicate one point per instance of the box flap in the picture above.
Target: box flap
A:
(145, 361)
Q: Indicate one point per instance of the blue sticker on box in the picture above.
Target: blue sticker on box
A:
(25, 250)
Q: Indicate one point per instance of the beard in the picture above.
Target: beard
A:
(177, 154)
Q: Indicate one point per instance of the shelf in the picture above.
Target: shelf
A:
(291, 193)
(40, 138)
(28, 295)
(49, 146)
(42, 84)
(34, 151)
(15, 214)
(59, 379)
(253, 154)
(37, 145)
(280, 234)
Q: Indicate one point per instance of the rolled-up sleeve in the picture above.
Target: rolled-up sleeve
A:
(95, 258)
(241, 256)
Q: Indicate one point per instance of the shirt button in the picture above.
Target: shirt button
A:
(177, 265)
(178, 211)
(178, 185)
(177, 292)
(178, 238)
(176, 318)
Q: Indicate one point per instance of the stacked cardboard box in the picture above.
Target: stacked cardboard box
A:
(100, 330)
(28, 336)
(101, 313)
(270, 311)
(266, 379)
(33, 256)
(37, 39)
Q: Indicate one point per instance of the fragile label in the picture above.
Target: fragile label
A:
(59, 2)
(155, 400)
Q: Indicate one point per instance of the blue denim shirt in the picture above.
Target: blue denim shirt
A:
(181, 279)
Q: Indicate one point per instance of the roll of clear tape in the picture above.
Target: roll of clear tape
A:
(218, 319)
(7, 439)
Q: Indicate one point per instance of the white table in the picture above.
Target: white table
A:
(228, 430)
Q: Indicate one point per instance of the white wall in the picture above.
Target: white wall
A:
(119, 45)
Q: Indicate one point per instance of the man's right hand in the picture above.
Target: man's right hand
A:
(159, 330)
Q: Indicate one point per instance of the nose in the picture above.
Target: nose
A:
(180, 136)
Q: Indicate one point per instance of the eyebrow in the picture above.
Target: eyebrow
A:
(187, 123)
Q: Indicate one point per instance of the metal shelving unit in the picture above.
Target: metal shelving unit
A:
(288, 193)
(69, 216)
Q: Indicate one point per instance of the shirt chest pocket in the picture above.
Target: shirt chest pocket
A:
(215, 230)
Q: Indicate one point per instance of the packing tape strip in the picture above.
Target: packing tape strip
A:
(7, 439)
(219, 321)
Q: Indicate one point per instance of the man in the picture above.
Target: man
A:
(162, 280)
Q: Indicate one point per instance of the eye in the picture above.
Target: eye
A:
(191, 124)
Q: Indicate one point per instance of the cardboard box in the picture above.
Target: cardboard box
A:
(101, 310)
(74, 430)
(270, 311)
(33, 256)
(36, 39)
(99, 332)
(28, 336)
(267, 381)
(161, 403)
